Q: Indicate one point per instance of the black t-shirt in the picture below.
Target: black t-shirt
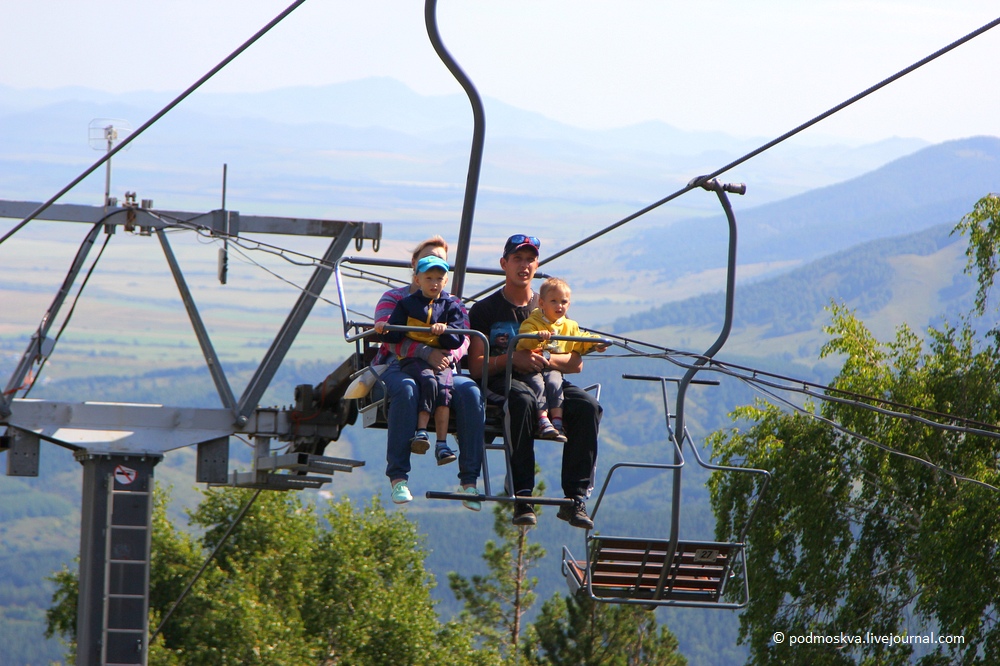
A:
(499, 319)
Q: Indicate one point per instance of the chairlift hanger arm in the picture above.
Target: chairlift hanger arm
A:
(476, 152)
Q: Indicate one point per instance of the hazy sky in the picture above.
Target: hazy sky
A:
(744, 67)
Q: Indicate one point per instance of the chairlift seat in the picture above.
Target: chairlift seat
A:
(636, 570)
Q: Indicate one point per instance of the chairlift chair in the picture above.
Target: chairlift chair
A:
(655, 572)
(373, 407)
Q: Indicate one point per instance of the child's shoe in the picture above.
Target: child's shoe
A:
(443, 454)
(548, 431)
(420, 442)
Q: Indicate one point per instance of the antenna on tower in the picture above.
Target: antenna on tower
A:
(224, 250)
(104, 134)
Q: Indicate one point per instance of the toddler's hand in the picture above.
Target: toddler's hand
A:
(544, 335)
(438, 329)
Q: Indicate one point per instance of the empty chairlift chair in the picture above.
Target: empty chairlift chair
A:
(663, 571)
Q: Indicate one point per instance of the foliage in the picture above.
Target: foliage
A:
(983, 228)
(577, 631)
(283, 590)
(495, 604)
(370, 600)
(862, 526)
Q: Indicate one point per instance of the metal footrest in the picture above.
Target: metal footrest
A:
(275, 481)
(546, 501)
(308, 463)
(308, 471)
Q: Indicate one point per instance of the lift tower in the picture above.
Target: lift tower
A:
(119, 444)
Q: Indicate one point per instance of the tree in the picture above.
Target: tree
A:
(495, 604)
(284, 590)
(878, 525)
(982, 225)
(578, 631)
(371, 600)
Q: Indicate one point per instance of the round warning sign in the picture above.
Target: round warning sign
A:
(124, 475)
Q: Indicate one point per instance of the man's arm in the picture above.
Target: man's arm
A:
(567, 364)
(474, 359)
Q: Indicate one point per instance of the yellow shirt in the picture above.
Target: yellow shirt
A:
(537, 321)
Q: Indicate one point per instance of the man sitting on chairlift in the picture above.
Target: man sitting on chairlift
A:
(499, 317)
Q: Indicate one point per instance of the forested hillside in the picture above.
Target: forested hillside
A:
(863, 277)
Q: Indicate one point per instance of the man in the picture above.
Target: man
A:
(499, 316)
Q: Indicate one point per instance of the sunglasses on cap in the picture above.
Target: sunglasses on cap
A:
(517, 241)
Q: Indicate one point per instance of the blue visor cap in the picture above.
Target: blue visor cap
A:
(430, 262)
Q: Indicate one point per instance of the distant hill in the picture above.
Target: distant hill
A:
(865, 277)
(935, 185)
(376, 150)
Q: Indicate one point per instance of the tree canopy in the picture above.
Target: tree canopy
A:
(288, 587)
(881, 517)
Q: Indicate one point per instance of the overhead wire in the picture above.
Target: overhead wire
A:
(754, 382)
(888, 449)
(862, 400)
(241, 243)
(208, 560)
(763, 386)
(69, 314)
(696, 182)
(281, 252)
(149, 123)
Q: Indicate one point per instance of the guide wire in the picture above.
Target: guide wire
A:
(149, 123)
(868, 440)
(853, 399)
(69, 314)
(761, 149)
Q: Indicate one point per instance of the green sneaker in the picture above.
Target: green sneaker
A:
(473, 504)
(400, 493)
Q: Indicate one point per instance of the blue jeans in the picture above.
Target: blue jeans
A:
(404, 396)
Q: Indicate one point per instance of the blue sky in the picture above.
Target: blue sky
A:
(745, 68)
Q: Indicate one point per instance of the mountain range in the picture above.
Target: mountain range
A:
(821, 221)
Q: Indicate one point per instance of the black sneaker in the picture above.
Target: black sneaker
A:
(524, 515)
(576, 515)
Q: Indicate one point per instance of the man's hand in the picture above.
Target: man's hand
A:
(380, 326)
(529, 361)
